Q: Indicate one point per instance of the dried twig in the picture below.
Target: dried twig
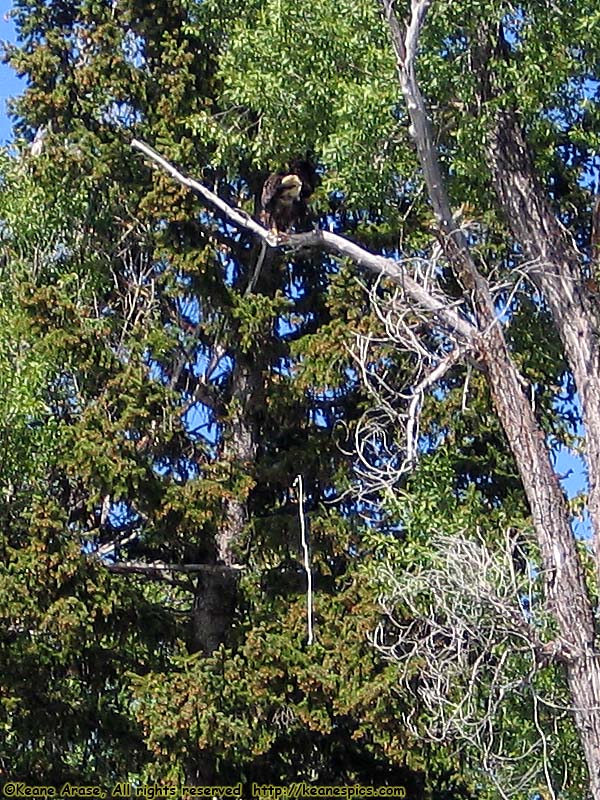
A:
(472, 626)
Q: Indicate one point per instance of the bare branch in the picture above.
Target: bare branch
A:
(421, 129)
(474, 628)
(143, 568)
(331, 243)
(453, 239)
(240, 218)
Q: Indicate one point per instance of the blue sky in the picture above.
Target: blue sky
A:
(10, 85)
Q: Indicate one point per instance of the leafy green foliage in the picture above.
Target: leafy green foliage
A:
(150, 404)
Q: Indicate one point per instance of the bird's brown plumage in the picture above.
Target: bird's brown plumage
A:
(284, 196)
(280, 200)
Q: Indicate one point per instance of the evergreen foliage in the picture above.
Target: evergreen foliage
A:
(156, 415)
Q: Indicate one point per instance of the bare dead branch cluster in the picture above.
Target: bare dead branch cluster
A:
(387, 437)
(466, 630)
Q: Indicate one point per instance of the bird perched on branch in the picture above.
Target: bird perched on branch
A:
(284, 205)
(284, 197)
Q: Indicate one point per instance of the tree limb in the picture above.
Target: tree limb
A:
(143, 568)
(240, 218)
(558, 274)
(453, 239)
(331, 243)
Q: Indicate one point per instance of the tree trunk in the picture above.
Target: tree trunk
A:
(216, 593)
(558, 276)
(556, 269)
(566, 590)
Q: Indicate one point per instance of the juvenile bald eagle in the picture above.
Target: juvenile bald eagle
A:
(284, 196)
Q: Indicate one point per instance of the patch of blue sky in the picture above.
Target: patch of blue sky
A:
(231, 267)
(283, 366)
(571, 470)
(133, 49)
(581, 526)
(512, 23)
(121, 114)
(206, 218)
(199, 423)
(121, 514)
(121, 518)
(318, 417)
(569, 463)
(179, 470)
(219, 371)
(10, 84)
(189, 307)
(289, 324)
(156, 371)
(232, 231)
(578, 92)
(296, 287)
